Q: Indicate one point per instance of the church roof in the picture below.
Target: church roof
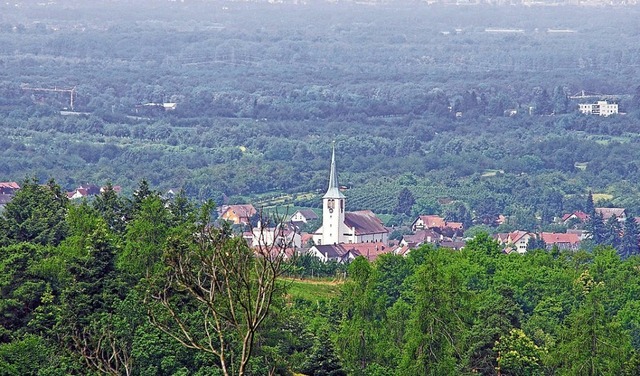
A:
(365, 222)
(334, 189)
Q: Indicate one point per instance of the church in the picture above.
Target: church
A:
(338, 226)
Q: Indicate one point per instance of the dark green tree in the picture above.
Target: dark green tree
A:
(21, 288)
(592, 343)
(629, 243)
(612, 232)
(536, 242)
(112, 208)
(145, 236)
(139, 195)
(89, 323)
(486, 211)
(560, 100)
(434, 341)
(405, 202)
(589, 207)
(596, 228)
(36, 214)
(551, 205)
(458, 212)
(542, 102)
(323, 360)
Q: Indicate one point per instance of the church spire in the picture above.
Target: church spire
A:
(333, 191)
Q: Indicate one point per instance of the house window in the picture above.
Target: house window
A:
(331, 204)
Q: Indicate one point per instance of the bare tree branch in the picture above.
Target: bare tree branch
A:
(216, 292)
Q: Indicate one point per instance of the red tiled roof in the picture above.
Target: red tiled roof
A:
(305, 237)
(510, 237)
(422, 236)
(242, 211)
(9, 184)
(556, 238)
(610, 212)
(81, 191)
(517, 235)
(582, 216)
(454, 225)
(370, 251)
(433, 221)
(365, 222)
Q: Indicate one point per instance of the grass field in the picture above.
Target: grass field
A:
(313, 289)
(601, 197)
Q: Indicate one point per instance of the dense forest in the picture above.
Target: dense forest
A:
(121, 286)
(428, 98)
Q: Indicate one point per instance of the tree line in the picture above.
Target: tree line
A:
(144, 286)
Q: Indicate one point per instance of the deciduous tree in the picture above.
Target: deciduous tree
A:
(215, 292)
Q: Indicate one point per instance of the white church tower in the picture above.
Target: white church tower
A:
(333, 228)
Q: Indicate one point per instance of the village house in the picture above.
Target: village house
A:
(282, 235)
(575, 217)
(303, 216)
(514, 241)
(620, 213)
(87, 190)
(568, 241)
(9, 187)
(339, 226)
(237, 214)
(345, 253)
(7, 191)
(421, 237)
(439, 224)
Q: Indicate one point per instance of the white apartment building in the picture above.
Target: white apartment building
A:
(602, 108)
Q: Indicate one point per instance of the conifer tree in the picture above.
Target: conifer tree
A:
(596, 228)
(612, 231)
(589, 207)
(629, 243)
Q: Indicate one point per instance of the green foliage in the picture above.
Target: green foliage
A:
(405, 202)
(146, 235)
(36, 214)
(323, 360)
(80, 307)
(519, 355)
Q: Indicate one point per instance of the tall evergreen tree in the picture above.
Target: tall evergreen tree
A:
(629, 243)
(323, 360)
(112, 208)
(592, 343)
(405, 202)
(589, 207)
(612, 232)
(596, 228)
(536, 242)
(560, 100)
(36, 214)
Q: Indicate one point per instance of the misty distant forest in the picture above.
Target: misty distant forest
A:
(432, 98)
